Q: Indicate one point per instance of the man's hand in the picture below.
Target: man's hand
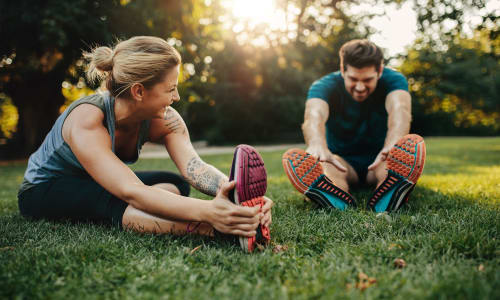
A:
(228, 217)
(381, 157)
(324, 155)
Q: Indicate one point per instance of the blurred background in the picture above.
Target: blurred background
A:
(247, 64)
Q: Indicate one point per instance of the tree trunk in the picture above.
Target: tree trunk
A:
(38, 103)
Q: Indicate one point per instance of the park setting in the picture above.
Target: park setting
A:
(240, 72)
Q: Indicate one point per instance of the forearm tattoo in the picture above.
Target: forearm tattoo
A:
(173, 122)
(203, 177)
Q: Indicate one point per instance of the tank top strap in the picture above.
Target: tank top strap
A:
(109, 105)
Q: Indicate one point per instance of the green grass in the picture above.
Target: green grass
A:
(448, 235)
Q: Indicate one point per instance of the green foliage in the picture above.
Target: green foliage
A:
(457, 90)
(246, 82)
(42, 47)
(448, 236)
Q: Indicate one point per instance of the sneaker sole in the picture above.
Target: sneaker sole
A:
(405, 164)
(251, 185)
(301, 168)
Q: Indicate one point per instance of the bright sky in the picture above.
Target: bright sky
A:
(396, 26)
(396, 29)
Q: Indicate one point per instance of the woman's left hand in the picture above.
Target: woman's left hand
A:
(266, 211)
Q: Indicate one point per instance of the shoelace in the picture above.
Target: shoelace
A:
(388, 183)
(324, 184)
(262, 236)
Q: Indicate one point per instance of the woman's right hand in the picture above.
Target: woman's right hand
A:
(227, 217)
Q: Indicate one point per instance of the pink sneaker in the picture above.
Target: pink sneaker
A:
(251, 183)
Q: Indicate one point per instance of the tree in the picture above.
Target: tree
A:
(42, 46)
(454, 67)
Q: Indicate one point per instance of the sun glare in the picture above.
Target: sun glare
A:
(255, 12)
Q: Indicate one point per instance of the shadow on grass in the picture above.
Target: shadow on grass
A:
(433, 222)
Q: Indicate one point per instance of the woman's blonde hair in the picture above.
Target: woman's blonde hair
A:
(141, 59)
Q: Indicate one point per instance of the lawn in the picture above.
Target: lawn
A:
(448, 237)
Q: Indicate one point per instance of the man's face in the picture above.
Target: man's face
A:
(360, 83)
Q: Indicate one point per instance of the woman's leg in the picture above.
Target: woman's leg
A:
(82, 199)
(169, 181)
(71, 198)
(141, 221)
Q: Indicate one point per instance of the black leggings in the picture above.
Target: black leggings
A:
(81, 198)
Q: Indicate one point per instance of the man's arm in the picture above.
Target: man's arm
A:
(398, 106)
(314, 130)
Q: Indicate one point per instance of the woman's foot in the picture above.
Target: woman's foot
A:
(251, 184)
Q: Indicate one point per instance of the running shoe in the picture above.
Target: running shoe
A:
(306, 174)
(251, 184)
(405, 164)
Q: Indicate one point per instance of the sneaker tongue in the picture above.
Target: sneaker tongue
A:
(231, 177)
(231, 174)
(259, 237)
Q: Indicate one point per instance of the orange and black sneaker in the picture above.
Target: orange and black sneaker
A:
(306, 174)
(405, 164)
(250, 175)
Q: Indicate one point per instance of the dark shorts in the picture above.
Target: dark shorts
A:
(83, 199)
(360, 164)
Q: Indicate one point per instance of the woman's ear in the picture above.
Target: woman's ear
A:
(137, 91)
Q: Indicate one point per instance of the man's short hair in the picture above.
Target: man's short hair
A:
(360, 54)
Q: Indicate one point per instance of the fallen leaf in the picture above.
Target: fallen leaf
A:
(260, 247)
(362, 276)
(392, 246)
(348, 286)
(280, 248)
(365, 281)
(399, 263)
(480, 268)
(195, 249)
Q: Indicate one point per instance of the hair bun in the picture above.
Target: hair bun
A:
(103, 59)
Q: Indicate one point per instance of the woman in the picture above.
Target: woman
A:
(79, 171)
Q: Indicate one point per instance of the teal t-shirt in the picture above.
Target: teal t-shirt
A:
(356, 128)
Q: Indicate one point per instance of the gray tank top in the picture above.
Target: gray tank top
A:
(54, 158)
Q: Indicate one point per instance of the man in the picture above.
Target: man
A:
(356, 126)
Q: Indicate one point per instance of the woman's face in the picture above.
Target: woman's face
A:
(161, 95)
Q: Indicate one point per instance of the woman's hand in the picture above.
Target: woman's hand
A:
(266, 211)
(230, 218)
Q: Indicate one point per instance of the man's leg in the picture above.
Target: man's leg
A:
(378, 175)
(341, 179)
(307, 175)
(403, 167)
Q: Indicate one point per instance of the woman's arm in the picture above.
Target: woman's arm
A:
(172, 132)
(90, 142)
